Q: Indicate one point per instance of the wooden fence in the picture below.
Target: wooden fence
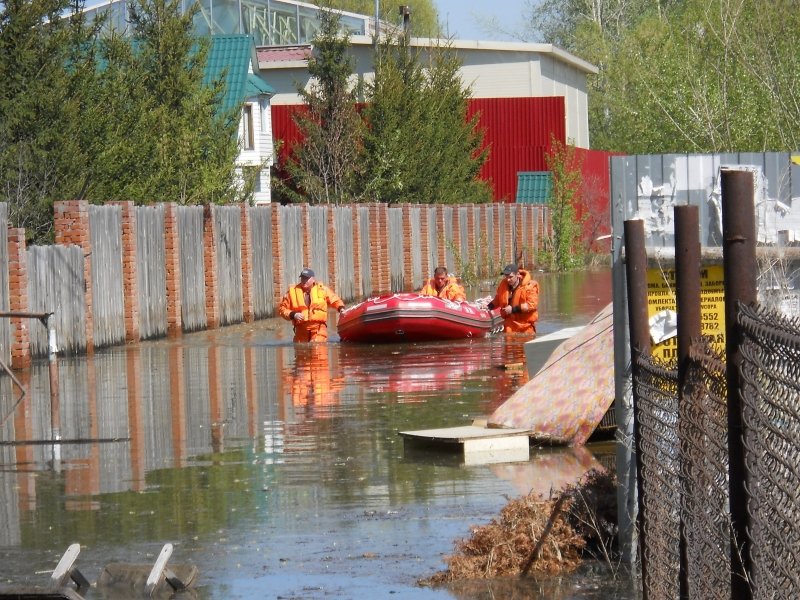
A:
(120, 272)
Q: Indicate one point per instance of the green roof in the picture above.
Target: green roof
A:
(233, 54)
(534, 187)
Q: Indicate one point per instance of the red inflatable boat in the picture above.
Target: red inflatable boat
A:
(415, 318)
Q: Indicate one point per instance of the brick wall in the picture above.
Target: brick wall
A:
(130, 283)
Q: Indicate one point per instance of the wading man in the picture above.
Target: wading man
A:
(517, 298)
(306, 306)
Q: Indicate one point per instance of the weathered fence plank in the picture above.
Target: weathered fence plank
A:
(343, 253)
(229, 263)
(151, 271)
(193, 280)
(292, 230)
(56, 284)
(318, 250)
(108, 297)
(263, 277)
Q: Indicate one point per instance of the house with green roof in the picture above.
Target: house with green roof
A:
(233, 58)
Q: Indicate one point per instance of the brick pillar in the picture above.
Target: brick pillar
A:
(172, 249)
(329, 225)
(457, 238)
(210, 265)
(177, 394)
(277, 256)
(424, 247)
(130, 278)
(441, 247)
(18, 298)
(358, 283)
(216, 403)
(25, 480)
(510, 250)
(71, 222)
(408, 267)
(136, 427)
(248, 313)
(471, 234)
(497, 250)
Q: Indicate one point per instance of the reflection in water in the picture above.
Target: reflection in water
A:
(265, 463)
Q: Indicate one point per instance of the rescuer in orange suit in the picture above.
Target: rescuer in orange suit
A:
(306, 306)
(517, 298)
(443, 286)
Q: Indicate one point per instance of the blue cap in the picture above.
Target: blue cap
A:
(509, 269)
(306, 273)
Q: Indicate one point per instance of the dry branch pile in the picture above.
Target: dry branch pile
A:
(534, 536)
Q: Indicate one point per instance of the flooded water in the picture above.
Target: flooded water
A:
(276, 469)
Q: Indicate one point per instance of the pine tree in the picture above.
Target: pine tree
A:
(324, 168)
(161, 137)
(420, 148)
(46, 69)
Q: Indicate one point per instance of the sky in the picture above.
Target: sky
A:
(465, 18)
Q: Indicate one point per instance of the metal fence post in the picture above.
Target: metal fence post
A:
(636, 277)
(740, 268)
(687, 305)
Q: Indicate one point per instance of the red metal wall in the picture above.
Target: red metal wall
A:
(516, 130)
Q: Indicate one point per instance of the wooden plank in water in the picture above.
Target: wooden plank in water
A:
(480, 445)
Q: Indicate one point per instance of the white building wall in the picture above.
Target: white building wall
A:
(263, 150)
(490, 69)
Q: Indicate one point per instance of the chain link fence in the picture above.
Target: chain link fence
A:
(684, 465)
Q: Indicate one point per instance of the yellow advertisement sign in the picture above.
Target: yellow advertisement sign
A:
(661, 298)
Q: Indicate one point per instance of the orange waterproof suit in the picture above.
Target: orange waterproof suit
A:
(452, 290)
(314, 327)
(527, 291)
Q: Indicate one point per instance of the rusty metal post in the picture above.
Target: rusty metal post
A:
(639, 325)
(687, 304)
(740, 268)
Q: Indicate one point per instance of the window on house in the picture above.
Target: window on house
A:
(248, 137)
